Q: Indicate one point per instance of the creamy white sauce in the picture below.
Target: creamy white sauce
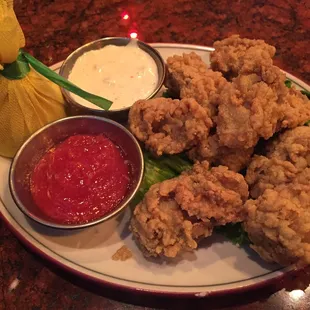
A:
(122, 74)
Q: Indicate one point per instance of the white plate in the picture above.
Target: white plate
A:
(217, 267)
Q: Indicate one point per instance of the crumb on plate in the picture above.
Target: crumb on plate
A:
(122, 254)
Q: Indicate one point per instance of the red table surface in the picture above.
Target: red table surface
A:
(53, 29)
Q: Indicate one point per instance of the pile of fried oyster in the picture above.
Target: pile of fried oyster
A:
(221, 115)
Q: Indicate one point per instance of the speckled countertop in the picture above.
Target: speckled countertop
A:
(54, 28)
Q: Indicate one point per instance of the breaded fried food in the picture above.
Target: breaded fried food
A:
(215, 195)
(247, 111)
(292, 145)
(287, 161)
(161, 227)
(295, 108)
(181, 69)
(235, 55)
(278, 221)
(210, 149)
(169, 126)
(188, 77)
(256, 106)
(205, 90)
(264, 173)
(278, 224)
(176, 213)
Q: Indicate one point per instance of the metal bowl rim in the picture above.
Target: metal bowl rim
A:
(161, 79)
(117, 210)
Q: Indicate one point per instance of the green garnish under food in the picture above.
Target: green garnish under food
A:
(288, 83)
(166, 94)
(235, 233)
(305, 92)
(160, 169)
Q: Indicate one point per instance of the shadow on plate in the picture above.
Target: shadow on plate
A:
(258, 260)
(223, 253)
(86, 238)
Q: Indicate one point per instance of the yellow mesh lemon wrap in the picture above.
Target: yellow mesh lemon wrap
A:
(26, 104)
(11, 35)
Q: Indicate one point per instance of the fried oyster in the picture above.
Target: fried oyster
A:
(287, 161)
(169, 126)
(175, 214)
(278, 224)
(210, 149)
(293, 145)
(278, 220)
(235, 55)
(257, 106)
(188, 77)
(220, 119)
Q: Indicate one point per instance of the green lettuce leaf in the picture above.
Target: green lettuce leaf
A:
(235, 233)
(160, 169)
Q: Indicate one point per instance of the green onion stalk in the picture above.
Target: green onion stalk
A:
(21, 67)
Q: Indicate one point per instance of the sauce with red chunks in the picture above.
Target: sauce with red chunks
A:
(80, 180)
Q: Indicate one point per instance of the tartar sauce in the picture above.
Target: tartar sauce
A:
(122, 74)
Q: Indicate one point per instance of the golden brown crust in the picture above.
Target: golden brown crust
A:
(295, 109)
(182, 69)
(293, 145)
(287, 161)
(278, 224)
(278, 221)
(176, 213)
(256, 106)
(161, 228)
(215, 195)
(169, 126)
(264, 173)
(188, 77)
(210, 149)
(235, 55)
(247, 111)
